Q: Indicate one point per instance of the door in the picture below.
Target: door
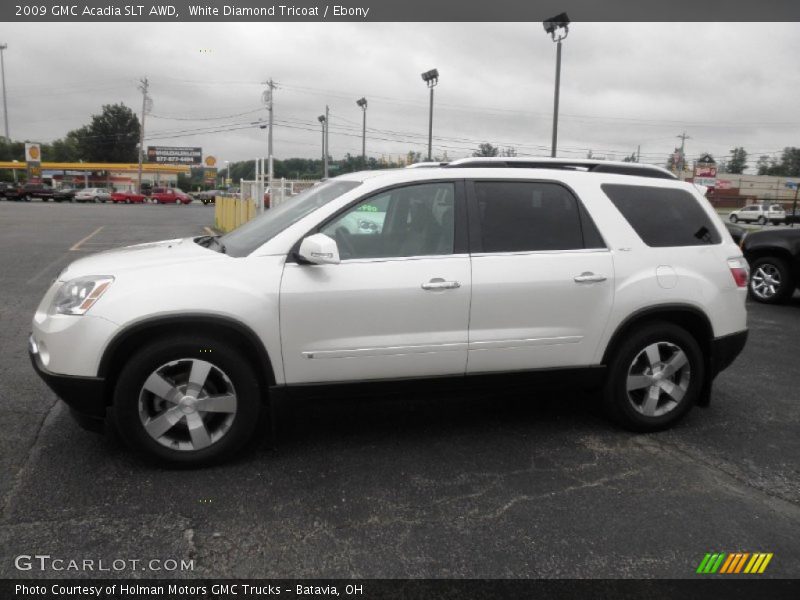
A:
(542, 278)
(397, 305)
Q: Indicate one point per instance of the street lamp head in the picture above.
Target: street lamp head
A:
(431, 77)
(3, 46)
(554, 24)
(362, 102)
(321, 118)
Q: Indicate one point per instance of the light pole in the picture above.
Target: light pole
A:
(323, 120)
(3, 71)
(362, 102)
(227, 172)
(431, 78)
(558, 28)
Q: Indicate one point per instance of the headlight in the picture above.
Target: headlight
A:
(78, 295)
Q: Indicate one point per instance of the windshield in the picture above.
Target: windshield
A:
(243, 240)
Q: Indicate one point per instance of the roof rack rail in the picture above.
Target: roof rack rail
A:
(593, 166)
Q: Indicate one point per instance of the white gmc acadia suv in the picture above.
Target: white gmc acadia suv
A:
(605, 276)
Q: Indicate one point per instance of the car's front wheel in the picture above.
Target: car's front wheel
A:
(771, 280)
(655, 377)
(187, 400)
(762, 220)
(734, 219)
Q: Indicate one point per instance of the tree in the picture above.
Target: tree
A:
(509, 152)
(788, 166)
(631, 158)
(671, 159)
(486, 150)
(737, 162)
(112, 136)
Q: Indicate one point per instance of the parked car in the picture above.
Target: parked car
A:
(29, 191)
(208, 196)
(759, 213)
(128, 198)
(170, 196)
(93, 195)
(596, 275)
(793, 215)
(774, 258)
(65, 194)
(9, 191)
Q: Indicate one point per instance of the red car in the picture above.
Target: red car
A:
(170, 196)
(128, 197)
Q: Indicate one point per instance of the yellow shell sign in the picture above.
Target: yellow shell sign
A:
(210, 161)
(33, 152)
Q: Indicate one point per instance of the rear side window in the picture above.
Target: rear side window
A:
(663, 217)
(522, 216)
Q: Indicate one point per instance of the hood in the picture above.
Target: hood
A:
(140, 256)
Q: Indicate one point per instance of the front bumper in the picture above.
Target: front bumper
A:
(725, 349)
(84, 395)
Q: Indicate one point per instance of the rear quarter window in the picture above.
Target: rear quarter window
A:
(663, 217)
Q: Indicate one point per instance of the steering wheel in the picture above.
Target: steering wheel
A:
(344, 239)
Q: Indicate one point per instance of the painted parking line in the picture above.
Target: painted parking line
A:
(76, 246)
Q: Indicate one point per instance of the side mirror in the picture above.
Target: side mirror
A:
(319, 249)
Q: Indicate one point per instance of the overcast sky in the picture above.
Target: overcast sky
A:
(623, 85)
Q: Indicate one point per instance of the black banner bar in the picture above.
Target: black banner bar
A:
(405, 11)
(733, 588)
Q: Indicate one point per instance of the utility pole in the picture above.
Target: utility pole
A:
(639, 153)
(362, 102)
(5, 106)
(682, 161)
(144, 85)
(268, 94)
(327, 138)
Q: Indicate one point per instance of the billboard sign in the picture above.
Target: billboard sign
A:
(33, 158)
(173, 155)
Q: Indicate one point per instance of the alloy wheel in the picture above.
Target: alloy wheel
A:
(765, 281)
(187, 404)
(658, 379)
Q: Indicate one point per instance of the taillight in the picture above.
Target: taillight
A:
(739, 270)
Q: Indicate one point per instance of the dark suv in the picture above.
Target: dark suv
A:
(774, 257)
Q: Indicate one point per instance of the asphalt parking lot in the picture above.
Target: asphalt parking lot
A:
(502, 486)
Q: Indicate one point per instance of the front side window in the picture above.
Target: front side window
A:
(663, 217)
(523, 216)
(415, 220)
(245, 239)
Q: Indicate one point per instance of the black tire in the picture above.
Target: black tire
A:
(734, 219)
(761, 220)
(127, 200)
(628, 408)
(771, 280)
(28, 198)
(776, 222)
(130, 398)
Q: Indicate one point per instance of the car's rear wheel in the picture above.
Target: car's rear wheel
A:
(655, 377)
(771, 280)
(187, 401)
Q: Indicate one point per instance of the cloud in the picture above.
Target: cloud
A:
(623, 85)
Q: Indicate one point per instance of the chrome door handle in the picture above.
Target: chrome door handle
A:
(588, 277)
(438, 283)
